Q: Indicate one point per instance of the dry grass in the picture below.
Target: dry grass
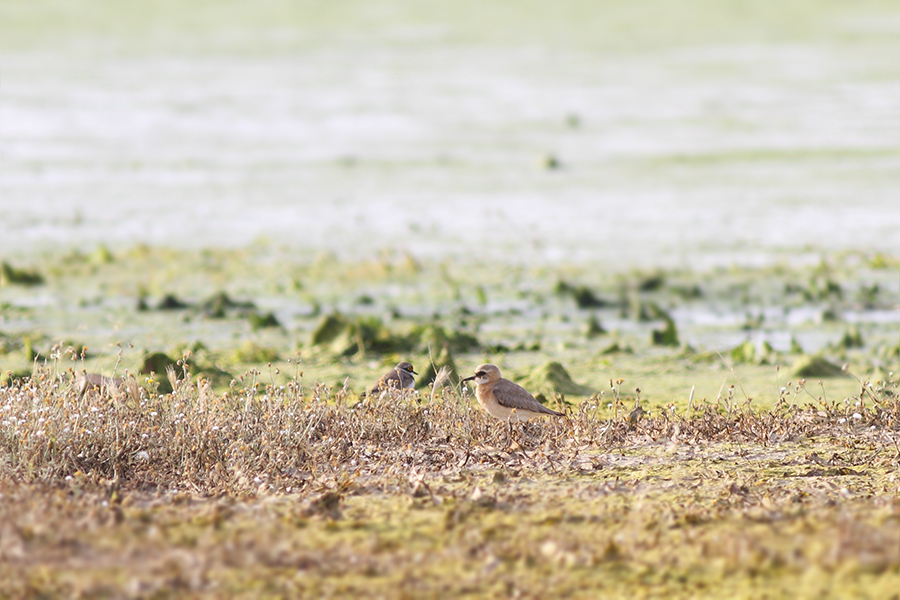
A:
(300, 488)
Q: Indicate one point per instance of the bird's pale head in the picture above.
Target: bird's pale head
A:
(485, 374)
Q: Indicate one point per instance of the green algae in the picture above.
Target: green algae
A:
(10, 275)
(252, 353)
(749, 352)
(668, 336)
(552, 378)
(429, 374)
(263, 320)
(220, 305)
(815, 366)
(327, 332)
(593, 328)
(583, 296)
(101, 255)
(413, 314)
(433, 337)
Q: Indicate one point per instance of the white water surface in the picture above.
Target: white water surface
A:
(688, 134)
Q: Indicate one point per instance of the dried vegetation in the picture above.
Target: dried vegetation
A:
(301, 489)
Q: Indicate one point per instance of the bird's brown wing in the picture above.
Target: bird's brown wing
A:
(512, 395)
(389, 380)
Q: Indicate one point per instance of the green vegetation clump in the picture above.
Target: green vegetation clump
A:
(252, 353)
(432, 337)
(583, 296)
(262, 320)
(172, 302)
(851, 339)
(593, 328)
(616, 348)
(749, 352)
(650, 283)
(101, 256)
(220, 305)
(429, 374)
(10, 275)
(552, 378)
(12, 343)
(158, 363)
(668, 336)
(346, 337)
(815, 366)
(329, 329)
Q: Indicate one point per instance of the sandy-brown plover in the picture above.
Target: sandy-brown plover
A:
(504, 399)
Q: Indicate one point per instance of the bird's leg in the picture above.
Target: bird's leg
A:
(509, 426)
(513, 437)
(524, 438)
(524, 435)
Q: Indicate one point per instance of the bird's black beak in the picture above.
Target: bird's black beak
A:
(468, 379)
(413, 372)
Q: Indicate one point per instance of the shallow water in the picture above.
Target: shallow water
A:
(690, 135)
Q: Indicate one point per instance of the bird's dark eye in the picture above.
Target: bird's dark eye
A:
(479, 374)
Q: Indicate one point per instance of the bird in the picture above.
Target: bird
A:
(96, 381)
(398, 378)
(506, 400)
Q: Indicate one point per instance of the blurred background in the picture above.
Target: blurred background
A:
(659, 133)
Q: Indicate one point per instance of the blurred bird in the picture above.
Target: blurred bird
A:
(398, 378)
(504, 399)
(96, 381)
